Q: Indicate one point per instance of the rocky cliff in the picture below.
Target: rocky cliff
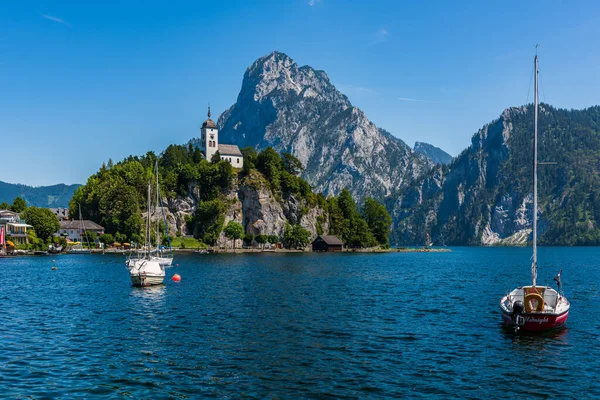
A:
(251, 202)
(485, 195)
(298, 110)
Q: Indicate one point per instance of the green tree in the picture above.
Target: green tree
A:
(378, 219)
(120, 237)
(291, 164)
(91, 236)
(133, 226)
(248, 238)
(295, 236)
(4, 206)
(234, 230)
(106, 238)
(261, 239)
(18, 205)
(215, 157)
(44, 222)
(270, 164)
(209, 220)
(273, 239)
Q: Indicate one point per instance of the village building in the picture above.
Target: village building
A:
(9, 216)
(14, 227)
(209, 144)
(61, 213)
(74, 230)
(327, 243)
(17, 231)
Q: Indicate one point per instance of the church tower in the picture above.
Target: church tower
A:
(209, 137)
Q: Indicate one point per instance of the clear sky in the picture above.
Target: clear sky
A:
(84, 81)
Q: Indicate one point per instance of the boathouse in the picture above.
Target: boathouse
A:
(327, 243)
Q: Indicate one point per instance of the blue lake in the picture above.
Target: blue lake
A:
(295, 326)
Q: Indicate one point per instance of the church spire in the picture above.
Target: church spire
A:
(208, 110)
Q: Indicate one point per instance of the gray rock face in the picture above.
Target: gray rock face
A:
(472, 201)
(297, 110)
(435, 154)
(252, 204)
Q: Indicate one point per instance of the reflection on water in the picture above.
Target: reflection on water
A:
(290, 326)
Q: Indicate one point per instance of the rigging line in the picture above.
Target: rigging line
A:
(529, 90)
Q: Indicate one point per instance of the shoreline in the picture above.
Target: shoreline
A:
(256, 251)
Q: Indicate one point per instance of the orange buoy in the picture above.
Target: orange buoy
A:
(176, 278)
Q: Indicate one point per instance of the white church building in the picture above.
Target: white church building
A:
(209, 144)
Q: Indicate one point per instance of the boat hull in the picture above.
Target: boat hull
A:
(145, 272)
(537, 322)
(146, 279)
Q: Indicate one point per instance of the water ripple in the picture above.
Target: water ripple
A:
(343, 326)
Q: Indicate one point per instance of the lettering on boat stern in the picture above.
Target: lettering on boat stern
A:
(538, 320)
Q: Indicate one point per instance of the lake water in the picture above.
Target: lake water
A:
(295, 326)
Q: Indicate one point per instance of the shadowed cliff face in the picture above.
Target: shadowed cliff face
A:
(297, 110)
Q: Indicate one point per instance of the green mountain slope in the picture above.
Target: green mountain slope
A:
(42, 196)
(485, 195)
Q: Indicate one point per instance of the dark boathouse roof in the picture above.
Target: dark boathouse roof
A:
(331, 240)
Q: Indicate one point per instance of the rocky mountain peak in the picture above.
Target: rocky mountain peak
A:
(298, 110)
(277, 76)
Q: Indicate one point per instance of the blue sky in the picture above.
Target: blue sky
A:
(82, 82)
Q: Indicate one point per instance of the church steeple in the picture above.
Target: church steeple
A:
(209, 136)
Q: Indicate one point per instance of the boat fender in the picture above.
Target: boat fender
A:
(534, 296)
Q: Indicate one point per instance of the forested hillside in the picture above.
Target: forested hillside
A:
(267, 198)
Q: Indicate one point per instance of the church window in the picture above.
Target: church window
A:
(238, 160)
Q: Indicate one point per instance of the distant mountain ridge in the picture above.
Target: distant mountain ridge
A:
(298, 110)
(435, 154)
(42, 196)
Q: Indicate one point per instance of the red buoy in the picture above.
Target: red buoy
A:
(176, 278)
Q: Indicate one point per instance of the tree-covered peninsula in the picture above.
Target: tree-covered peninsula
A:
(211, 200)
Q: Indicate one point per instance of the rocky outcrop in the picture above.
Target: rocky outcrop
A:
(298, 110)
(251, 203)
(435, 154)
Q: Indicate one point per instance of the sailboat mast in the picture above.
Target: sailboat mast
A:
(148, 220)
(156, 209)
(82, 228)
(535, 165)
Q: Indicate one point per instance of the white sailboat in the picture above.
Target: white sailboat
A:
(159, 254)
(535, 308)
(144, 270)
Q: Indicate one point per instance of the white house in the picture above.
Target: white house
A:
(74, 230)
(209, 144)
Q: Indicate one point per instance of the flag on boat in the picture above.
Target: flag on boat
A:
(557, 279)
(2, 236)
